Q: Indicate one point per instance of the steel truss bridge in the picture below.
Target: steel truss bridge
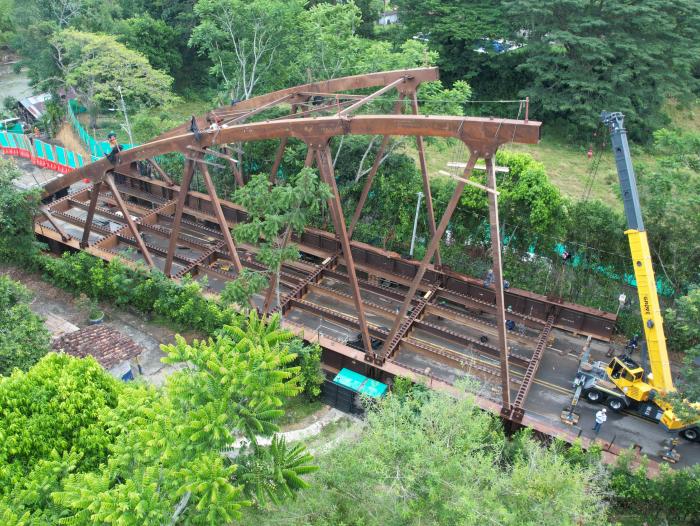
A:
(371, 310)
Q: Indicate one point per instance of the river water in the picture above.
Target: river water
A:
(13, 84)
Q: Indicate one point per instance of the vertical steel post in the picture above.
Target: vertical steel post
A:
(415, 225)
(94, 195)
(127, 216)
(179, 207)
(498, 282)
(325, 167)
(432, 247)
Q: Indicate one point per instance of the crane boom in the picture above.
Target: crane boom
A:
(662, 380)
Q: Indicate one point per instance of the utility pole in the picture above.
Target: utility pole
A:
(127, 127)
(415, 224)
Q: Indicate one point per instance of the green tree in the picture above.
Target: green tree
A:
(51, 426)
(455, 30)
(268, 330)
(584, 57)
(190, 453)
(250, 43)
(441, 461)
(674, 178)
(155, 39)
(17, 210)
(6, 25)
(97, 66)
(668, 498)
(683, 332)
(274, 214)
(23, 336)
(368, 13)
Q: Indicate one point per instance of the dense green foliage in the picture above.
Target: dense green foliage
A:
(683, 330)
(102, 70)
(155, 39)
(52, 424)
(436, 460)
(168, 462)
(574, 58)
(23, 337)
(584, 57)
(669, 498)
(675, 178)
(17, 207)
(79, 447)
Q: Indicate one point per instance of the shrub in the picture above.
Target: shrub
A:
(23, 336)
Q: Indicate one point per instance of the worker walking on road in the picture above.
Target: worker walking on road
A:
(600, 418)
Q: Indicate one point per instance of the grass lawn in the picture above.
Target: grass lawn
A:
(568, 167)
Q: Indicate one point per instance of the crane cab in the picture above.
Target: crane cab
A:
(628, 376)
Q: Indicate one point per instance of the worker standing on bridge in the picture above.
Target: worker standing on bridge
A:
(600, 418)
(113, 155)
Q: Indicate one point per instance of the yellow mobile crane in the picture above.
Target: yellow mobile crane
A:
(623, 383)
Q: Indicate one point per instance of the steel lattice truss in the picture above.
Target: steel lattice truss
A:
(386, 300)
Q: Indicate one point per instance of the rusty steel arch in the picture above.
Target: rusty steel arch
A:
(156, 208)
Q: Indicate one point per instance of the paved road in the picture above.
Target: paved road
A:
(552, 392)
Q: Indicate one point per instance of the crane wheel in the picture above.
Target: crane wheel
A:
(692, 434)
(594, 396)
(616, 404)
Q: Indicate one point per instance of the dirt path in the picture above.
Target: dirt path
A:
(71, 141)
(52, 301)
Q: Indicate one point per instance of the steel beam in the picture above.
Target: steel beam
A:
(479, 134)
(420, 145)
(454, 200)
(47, 213)
(94, 195)
(313, 277)
(177, 221)
(347, 111)
(278, 160)
(130, 222)
(325, 167)
(160, 171)
(498, 282)
(373, 171)
(362, 81)
(221, 219)
(391, 345)
(255, 111)
(529, 377)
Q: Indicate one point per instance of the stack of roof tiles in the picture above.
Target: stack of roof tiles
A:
(107, 345)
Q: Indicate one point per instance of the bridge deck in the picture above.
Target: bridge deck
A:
(454, 335)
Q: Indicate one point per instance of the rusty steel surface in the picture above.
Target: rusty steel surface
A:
(518, 410)
(497, 270)
(483, 134)
(378, 307)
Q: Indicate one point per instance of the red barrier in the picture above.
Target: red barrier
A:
(43, 163)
